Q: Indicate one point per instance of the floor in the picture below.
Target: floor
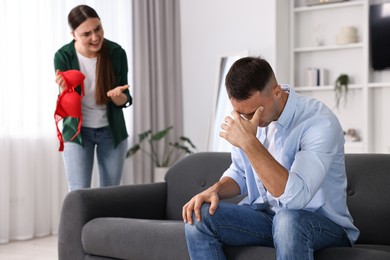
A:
(36, 249)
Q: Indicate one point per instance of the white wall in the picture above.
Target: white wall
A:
(211, 29)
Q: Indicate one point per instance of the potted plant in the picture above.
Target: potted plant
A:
(148, 141)
(341, 89)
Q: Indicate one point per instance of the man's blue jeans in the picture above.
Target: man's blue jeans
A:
(295, 234)
(79, 159)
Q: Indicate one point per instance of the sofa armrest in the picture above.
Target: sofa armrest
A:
(146, 201)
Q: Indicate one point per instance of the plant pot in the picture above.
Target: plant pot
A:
(159, 174)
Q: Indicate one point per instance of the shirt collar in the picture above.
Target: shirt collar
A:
(289, 109)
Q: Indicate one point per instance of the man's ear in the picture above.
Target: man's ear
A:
(277, 91)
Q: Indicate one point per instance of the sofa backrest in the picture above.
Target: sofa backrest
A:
(191, 175)
(368, 188)
(368, 196)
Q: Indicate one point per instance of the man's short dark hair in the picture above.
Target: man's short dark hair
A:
(246, 76)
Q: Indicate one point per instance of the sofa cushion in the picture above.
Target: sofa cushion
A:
(162, 239)
(374, 247)
(135, 239)
(353, 253)
(359, 252)
(249, 252)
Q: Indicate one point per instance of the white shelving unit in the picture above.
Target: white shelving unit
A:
(313, 45)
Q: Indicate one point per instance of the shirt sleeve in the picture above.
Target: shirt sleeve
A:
(121, 69)
(322, 142)
(236, 170)
(62, 61)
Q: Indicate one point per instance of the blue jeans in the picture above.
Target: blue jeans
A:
(79, 159)
(295, 234)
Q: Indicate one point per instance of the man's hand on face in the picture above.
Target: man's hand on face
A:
(238, 130)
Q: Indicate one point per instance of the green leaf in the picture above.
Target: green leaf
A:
(343, 79)
(144, 135)
(187, 140)
(133, 150)
(160, 135)
(176, 150)
(181, 147)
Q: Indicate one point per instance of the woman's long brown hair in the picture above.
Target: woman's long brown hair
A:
(105, 78)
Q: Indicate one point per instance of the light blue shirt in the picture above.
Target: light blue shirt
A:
(309, 143)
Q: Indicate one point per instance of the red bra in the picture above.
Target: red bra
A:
(69, 102)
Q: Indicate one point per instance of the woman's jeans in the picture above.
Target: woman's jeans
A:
(79, 159)
(295, 234)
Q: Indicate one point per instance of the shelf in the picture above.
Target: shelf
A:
(327, 6)
(328, 48)
(379, 85)
(324, 88)
(322, 24)
(354, 147)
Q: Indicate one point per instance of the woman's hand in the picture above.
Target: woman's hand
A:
(117, 91)
(117, 95)
(60, 81)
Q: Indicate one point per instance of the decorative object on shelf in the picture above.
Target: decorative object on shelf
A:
(324, 76)
(316, 77)
(341, 89)
(173, 151)
(319, 2)
(347, 35)
(318, 32)
(351, 135)
(312, 77)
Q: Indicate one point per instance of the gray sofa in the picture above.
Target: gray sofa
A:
(144, 221)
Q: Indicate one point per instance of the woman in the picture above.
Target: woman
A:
(104, 64)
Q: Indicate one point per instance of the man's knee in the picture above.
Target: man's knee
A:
(204, 214)
(286, 216)
(286, 224)
(199, 225)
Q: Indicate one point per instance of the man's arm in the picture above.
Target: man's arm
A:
(272, 174)
(223, 189)
(241, 133)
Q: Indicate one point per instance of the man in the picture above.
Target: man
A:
(288, 158)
